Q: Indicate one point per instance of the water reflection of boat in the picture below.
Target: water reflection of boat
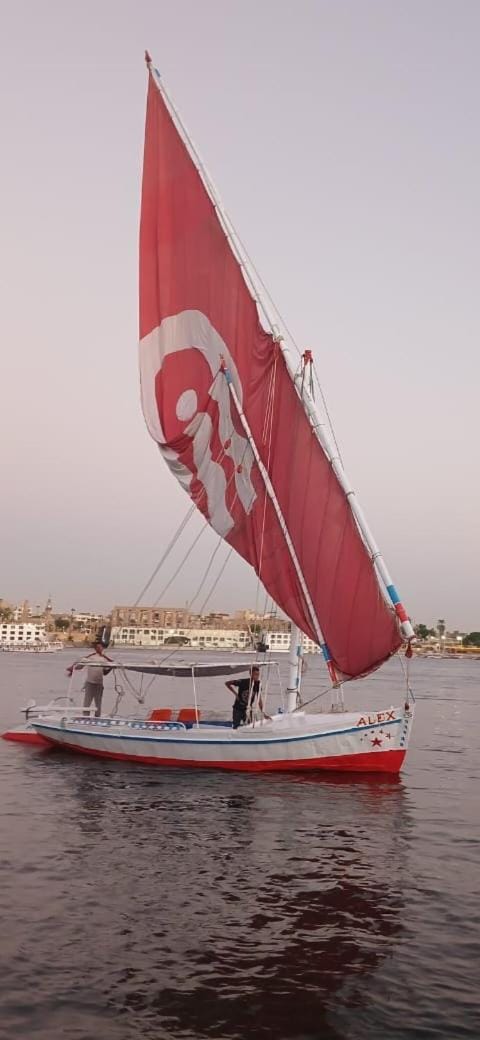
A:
(272, 907)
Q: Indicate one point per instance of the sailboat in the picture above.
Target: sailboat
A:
(236, 423)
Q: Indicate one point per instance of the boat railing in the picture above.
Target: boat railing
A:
(33, 710)
(107, 721)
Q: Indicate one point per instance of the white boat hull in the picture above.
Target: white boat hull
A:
(347, 742)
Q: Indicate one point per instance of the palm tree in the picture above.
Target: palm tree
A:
(441, 627)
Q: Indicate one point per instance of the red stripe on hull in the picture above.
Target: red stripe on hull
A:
(25, 738)
(370, 762)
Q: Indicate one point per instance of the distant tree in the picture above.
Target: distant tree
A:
(62, 624)
(422, 631)
(441, 626)
(6, 614)
(472, 639)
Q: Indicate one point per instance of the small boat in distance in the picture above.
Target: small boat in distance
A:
(43, 646)
(232, 410)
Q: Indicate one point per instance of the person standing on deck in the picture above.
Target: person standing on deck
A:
(93, 688)
(246, 692)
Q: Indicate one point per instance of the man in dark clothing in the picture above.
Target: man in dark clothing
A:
(246, 692)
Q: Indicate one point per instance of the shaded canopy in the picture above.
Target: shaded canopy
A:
(181, 668)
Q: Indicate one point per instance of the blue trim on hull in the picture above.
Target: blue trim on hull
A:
(45, 730)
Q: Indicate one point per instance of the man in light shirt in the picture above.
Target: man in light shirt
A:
(93, 688)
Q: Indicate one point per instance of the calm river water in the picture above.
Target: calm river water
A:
(137, 903)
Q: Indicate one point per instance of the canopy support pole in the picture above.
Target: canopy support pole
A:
(197, 724)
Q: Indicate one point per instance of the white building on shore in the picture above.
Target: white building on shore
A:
(86, 620)
(203, 638)
(26, 633)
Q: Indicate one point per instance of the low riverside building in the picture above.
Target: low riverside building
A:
(181, 617)
(87, 619)
(149, 617)
(279, 642)
(200, 638)
(22, 632)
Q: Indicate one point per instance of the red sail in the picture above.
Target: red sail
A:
(197, 315)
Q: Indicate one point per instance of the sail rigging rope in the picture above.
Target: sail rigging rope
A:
(220, 539)
(217, 579)
(406, 675)
(190, 512)
(327, 413)
(206, 573)
(304, 704)
(135, 693)
(120, 692)
(182, 562)
(291, 337)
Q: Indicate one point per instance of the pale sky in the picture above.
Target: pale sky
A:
(344, 139)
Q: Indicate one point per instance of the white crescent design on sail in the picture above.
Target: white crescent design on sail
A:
(186, 331)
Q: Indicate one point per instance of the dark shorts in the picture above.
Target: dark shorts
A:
(239, 715)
